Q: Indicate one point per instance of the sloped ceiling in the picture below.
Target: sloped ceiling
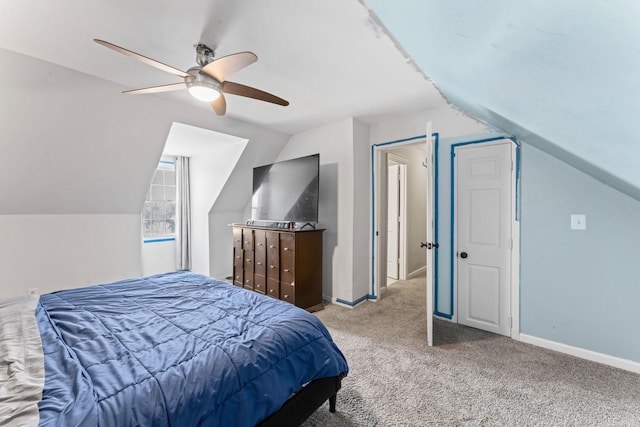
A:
(73, 144)
(561, 75)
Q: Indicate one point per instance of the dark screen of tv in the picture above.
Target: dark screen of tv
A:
(287, 190)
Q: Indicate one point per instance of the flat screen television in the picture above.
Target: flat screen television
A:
(287, 190)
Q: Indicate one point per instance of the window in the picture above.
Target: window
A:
(159, 211)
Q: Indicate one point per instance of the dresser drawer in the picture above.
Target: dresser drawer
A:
(287, 248)
(237, 238)
(287, 272)
(273, 288)
(238, 258)
(247, 239)
(238, 276)
(248, 281)
(287, 292)
(259, 283)
(273, 271)
(273, 255)
(248, 261)
(260, 267)
(260, 251)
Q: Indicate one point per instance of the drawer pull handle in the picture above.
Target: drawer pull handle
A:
(259, 244)
(238, 256)
(286, 296)
(259, 263)
(248, 280)
(237, 277)
(285, 249)
(286, 270)
(272, 266)
(271, 246)
(248, 259)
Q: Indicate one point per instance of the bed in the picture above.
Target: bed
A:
(181, 349)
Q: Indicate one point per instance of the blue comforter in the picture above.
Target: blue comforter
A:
(177, 349)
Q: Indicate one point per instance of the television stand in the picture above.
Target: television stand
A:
(281, 263)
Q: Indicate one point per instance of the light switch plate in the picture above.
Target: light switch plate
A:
(578, 222)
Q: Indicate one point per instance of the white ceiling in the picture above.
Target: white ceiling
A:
(328, 58)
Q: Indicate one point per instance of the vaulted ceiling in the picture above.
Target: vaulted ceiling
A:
(561, 75)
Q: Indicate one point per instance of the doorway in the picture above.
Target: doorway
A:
(421, 220)
(485, 235)
(396, 217)
(405, 159)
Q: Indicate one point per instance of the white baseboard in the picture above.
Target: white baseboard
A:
(422, 270)
(616, 362)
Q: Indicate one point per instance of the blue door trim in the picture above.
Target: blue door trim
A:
(436, 136)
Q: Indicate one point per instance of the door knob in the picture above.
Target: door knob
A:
(463, 255)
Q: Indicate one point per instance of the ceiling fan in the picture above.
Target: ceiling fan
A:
(206, 81)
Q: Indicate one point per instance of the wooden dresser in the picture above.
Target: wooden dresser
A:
(283, 264)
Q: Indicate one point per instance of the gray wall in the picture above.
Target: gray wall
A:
(581, 288)
(79, 157)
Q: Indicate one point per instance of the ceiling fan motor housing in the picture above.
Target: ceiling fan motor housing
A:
(204, 54)
(198, 77)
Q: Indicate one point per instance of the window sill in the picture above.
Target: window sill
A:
(159, 240)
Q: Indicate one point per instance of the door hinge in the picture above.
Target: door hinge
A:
(511, 244)
(510, 322)
(511, 164)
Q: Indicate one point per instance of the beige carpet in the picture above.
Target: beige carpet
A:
(470, 378)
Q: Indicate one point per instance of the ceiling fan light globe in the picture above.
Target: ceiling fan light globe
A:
(204, 93)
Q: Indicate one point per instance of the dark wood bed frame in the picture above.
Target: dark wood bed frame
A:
(305, 402)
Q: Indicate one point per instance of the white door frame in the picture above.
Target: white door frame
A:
(379, 211)
(394, 159)
(515, 232)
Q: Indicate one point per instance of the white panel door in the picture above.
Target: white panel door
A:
(483, 182)
(393, 224)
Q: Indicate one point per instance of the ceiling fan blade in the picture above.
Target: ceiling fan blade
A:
(148, 61)
(251, 92)
(222, 68)
(156, 89)
(219, 105)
